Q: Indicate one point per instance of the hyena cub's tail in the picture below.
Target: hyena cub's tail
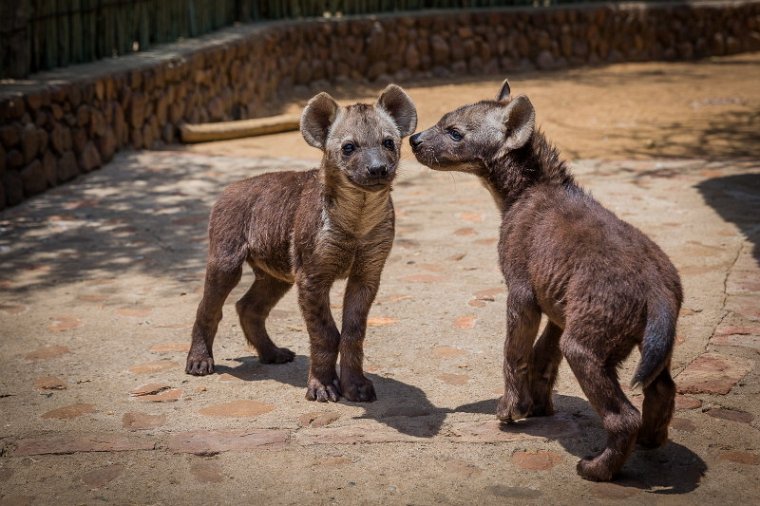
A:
(659, 338)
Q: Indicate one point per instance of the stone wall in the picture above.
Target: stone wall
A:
(63, 123)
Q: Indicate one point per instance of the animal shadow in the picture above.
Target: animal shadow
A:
(671, 469)
(400, 406)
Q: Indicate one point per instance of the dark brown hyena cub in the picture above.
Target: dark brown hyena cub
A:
(311, 228)
(604, 286)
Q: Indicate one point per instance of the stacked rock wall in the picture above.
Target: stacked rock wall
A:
(60, 124)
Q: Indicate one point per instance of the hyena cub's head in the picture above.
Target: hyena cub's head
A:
(361, 143)
(470, 137)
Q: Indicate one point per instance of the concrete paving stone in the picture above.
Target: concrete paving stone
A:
(444, 352)
(380, 321)
(72, 411)
(318, 418)
(66, 443)
(730, 414)
(170, 347)
(740, 457)
(540, 460)
(49, 383)
(149, 389)
(713, 373)
(170, 395)
(154, 367)
(135, 420)
(493, 431)
(684, 402)
(98, 478)
(243, 408)
(17, 500)
(63, 323)
(209, 442)
(47, 352)
(352, 434)
(207, 472)
(465, 322)
(454, 379)
(682, 424)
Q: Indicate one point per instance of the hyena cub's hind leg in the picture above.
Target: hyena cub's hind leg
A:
(253, 309)
(598, 379)
(659, 402)
(546, 359)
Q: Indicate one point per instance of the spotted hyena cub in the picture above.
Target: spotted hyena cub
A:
(311, 228)
(604, 286)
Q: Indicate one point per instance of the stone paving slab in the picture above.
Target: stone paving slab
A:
(99, 282)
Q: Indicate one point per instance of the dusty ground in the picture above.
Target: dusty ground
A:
(100, 279)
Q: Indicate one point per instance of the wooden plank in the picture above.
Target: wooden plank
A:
(208, 132)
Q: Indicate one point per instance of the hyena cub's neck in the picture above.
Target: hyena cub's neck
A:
(349, 209)
(510, 174)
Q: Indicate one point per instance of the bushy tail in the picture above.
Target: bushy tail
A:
(659, 338)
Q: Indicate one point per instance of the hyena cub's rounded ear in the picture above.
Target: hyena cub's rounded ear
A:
(520, 121)
(397, 103)
(316, 119)
(504, 91)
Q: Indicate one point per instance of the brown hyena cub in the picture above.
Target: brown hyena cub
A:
(604, 286)
(311, 228)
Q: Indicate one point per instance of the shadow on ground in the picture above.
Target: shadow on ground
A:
(130, 216)
(672, 469)
(737, 200)
(400, 406)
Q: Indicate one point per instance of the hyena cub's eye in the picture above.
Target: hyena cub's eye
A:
(455, 134)
(389, 144)
(348, 148)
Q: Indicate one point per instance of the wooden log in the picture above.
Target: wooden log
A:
(208, 132)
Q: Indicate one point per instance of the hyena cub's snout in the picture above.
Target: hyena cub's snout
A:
(375, 167)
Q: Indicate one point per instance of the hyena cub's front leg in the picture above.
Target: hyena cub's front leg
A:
(324, 338)
(353, 383)
(523, 318)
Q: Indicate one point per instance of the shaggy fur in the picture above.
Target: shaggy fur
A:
(604, 286)
(311, 228)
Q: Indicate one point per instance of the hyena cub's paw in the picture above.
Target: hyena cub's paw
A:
(317, 390)
(199, 364)
(594, 469)
(277, 356)
(510, 409)
(357, 388)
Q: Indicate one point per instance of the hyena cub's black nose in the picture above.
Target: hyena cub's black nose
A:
(415, 140)
(378, 171)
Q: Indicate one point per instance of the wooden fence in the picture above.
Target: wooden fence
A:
(44, 34)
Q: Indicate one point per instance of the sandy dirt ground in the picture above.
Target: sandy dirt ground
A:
(100, 278)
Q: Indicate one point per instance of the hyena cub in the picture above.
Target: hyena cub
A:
(604, 286)
(311, 228)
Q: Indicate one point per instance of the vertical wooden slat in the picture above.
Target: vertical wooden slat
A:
(63, 31)
(75, 35)
(50, 40)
